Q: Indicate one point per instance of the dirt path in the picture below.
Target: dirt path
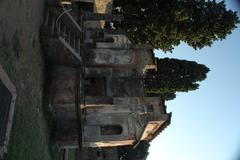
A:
(22, 58)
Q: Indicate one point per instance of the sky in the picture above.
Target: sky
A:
(205, 123)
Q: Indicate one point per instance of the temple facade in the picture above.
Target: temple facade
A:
(97, 91)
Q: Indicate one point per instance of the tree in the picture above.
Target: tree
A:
(166, 23)
(173, 76)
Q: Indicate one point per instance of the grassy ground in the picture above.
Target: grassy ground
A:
(22, 58)
(25, 68)
(30, 133)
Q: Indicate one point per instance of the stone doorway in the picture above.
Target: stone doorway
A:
(96, 86)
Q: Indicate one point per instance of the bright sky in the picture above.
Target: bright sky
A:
(205, 123)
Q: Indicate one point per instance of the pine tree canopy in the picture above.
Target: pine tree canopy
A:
(173, 76)
(166, 23)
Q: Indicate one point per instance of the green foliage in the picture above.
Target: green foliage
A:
(164, 95)
(166, 23)
(173, 76)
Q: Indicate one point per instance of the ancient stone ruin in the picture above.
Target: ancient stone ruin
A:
(97, 90)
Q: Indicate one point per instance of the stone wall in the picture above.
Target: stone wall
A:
(131, 114)
(63, 85)
(109, 153)
(109, 57)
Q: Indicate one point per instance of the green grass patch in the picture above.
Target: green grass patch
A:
(32, 136)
